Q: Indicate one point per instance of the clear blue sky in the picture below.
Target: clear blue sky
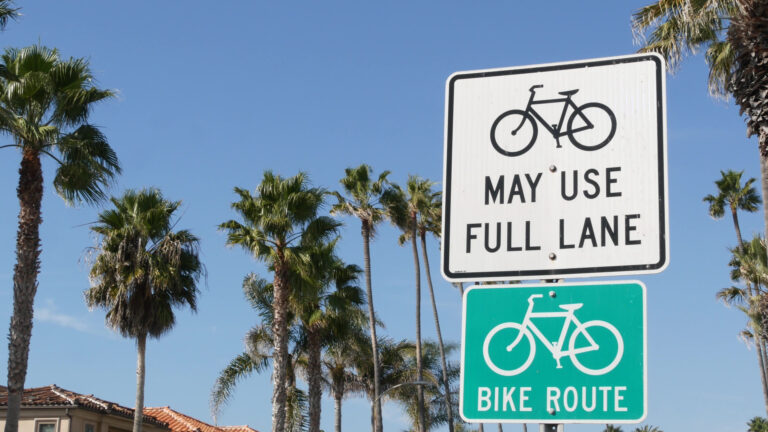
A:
(211, 94)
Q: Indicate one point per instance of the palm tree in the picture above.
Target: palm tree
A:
(612, 428)
(259, 344)
(429, 221)
(757, 424)
(731, 194)
(749, 265)
(732, 33)
(338, 362)
(363, 201)
(324, 316)
(7, 13)
(44, 107)
(404, 208)
(278, 222)
(393, 366)
(436, 412)
(648, 428)
(142, 270)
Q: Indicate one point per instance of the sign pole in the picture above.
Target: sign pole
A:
(551, 427)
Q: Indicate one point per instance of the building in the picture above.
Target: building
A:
(54, 409)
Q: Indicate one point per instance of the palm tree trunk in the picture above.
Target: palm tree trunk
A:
(280, 355)
(419, 377)
(737, 229)
(141, 348)
(446, 387)
(761, 365)
(30, 194)
(366, 231)
(314, 372)
(765, 358)
(338, 395)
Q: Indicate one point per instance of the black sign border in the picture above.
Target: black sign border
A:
(547, 273)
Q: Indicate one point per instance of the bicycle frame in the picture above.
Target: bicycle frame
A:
(554, 347)
(556, 132)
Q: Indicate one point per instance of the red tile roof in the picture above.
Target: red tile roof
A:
(179, 422)
(53, 396)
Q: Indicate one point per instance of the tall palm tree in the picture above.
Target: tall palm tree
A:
(749, 265)
(141, 271)
(404, 209)
(259, 353)
(278, 222)
(362, 199)
(731, 194)
(44, 105)
(7, 13)
(735, 196)
(429, 221)
(734, 36)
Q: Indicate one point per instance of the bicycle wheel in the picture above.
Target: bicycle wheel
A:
(602, 360)
(505, 344)
(514, 132)
(591, 126)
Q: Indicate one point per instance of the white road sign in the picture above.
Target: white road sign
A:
(556, 170)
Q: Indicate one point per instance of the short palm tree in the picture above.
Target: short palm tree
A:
(734, 196)
(259, 344)
(612, 428)
(436, 412)
(734, 37)
(45, 101)
(327, 304)
(757, 424)
(338, 363)
(393, 365)
(142, 270)
(362, 199)
(648, 428)
(278, 223)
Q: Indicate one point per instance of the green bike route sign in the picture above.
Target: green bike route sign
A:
(554, 353)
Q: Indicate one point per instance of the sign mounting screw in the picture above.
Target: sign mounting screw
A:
(552, 168)
(552, 256)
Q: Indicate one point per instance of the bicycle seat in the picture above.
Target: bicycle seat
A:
(569, 92)
(571, 307)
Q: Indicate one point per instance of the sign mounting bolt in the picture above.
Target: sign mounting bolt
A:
(552, 256)
(552, 168)
(552, 294)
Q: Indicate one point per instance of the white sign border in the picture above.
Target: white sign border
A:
(579, 272)
(552, 420)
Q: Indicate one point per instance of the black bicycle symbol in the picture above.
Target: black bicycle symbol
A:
(508, 134)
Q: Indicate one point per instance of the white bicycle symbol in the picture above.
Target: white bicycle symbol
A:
(527, 329)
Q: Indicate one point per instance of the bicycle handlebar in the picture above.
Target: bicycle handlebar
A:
(533, 88)
(534, 296)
